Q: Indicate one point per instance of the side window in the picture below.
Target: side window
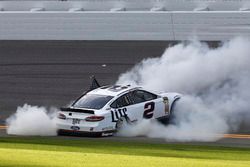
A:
(139, 96)
(121, 101)
(149, 96)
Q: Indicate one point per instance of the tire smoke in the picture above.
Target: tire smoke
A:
(32, 121)
(215, 85)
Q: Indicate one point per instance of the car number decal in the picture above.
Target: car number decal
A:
(117, 114)
(149, 110)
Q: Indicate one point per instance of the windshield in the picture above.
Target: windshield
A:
(92, 101)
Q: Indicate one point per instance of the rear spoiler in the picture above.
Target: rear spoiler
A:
(68, 109)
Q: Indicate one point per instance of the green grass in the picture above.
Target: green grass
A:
(45, 151)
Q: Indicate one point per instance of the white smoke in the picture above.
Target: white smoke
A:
(32, 121)
(215, 84)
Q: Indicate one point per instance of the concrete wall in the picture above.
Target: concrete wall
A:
(130, 5)
(209, 20)
(85, 26)
(209, 26)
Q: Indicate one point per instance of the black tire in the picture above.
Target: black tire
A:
(166, 120)
(172, 112)
(163, 120)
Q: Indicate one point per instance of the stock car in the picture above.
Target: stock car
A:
(102, 111)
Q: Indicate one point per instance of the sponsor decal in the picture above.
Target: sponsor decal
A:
(107, 134)
(107, 128)
(166, 102)
(117, 114)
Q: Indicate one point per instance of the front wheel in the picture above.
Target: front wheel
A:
(166, 120)
(172, 111)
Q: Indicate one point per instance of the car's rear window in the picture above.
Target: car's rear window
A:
(92, 101)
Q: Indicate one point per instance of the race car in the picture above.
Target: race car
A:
(103, 110)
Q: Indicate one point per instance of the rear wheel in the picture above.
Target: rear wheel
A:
(119, 124)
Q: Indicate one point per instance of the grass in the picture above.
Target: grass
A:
(45, 151)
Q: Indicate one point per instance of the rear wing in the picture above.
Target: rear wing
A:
(68, 109)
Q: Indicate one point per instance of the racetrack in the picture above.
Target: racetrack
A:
(227, 141)
(54, 73)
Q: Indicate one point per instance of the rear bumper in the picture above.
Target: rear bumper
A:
(84, 133)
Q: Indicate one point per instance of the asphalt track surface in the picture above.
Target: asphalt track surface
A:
(242, 141)
(53, 73)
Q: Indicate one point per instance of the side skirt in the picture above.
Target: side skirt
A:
(164, 120)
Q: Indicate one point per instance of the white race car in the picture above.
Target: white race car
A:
(103, 110)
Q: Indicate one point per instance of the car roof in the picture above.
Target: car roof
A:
(113, 90)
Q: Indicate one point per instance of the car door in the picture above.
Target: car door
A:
(137, 105)
(125, 107)
(152, 106)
